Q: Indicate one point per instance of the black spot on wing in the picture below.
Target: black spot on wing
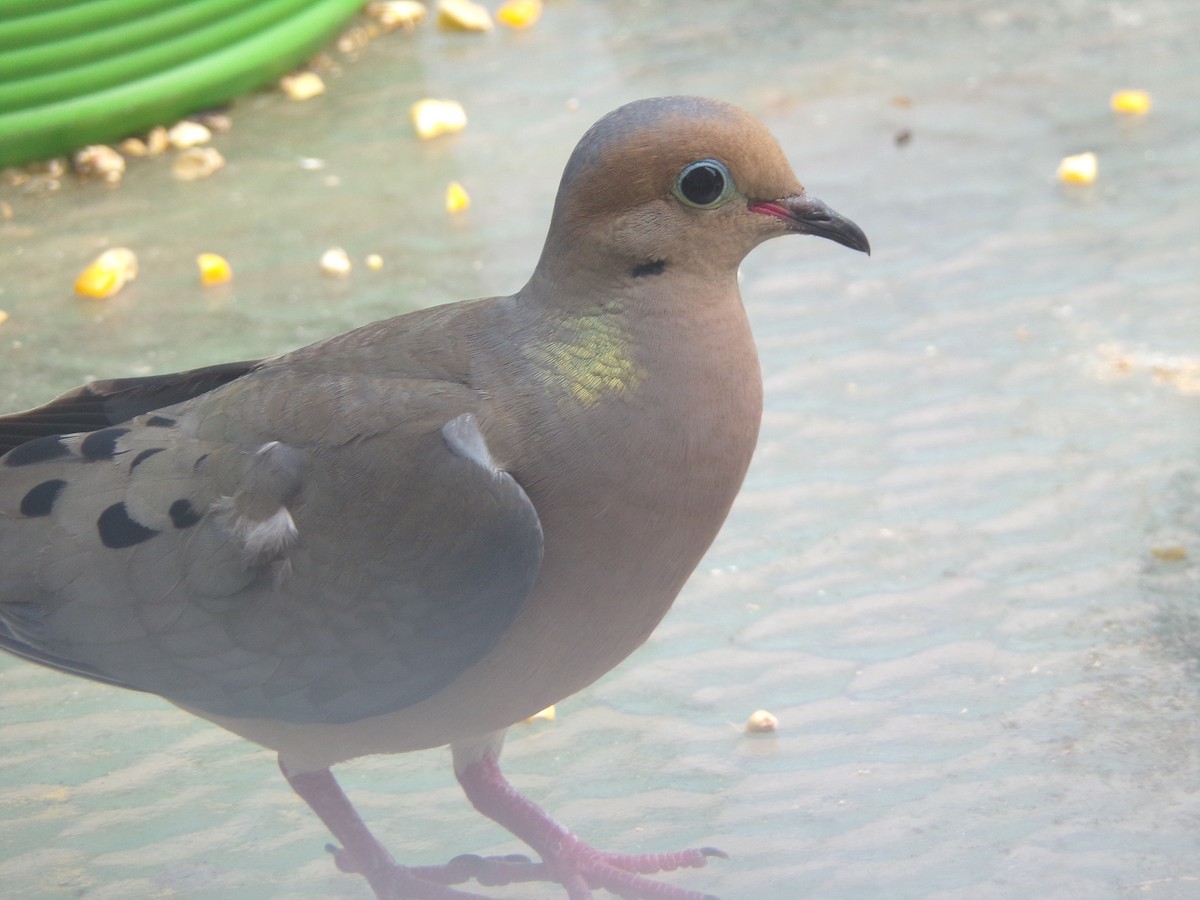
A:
(144, 455)
(101, 444)
(118, 530)
(160, 422)
(651, 267)
(199, 462)
(36, 451)
(39, 500)
(183, 514)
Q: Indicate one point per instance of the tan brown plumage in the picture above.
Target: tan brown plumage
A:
(426, 529)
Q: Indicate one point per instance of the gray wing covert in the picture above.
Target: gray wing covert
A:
(308, 549)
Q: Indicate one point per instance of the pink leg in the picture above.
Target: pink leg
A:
(570, 862)
(576, 865)
(360, 853)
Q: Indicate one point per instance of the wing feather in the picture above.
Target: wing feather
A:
(304, 547)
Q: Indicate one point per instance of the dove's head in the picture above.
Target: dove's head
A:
(681, 183)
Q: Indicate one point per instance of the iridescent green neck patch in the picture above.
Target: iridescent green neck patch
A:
(588, 358)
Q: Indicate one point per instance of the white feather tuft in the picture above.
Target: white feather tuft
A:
(463, 436)
(267, 537)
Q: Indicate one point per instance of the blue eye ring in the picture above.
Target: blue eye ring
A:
(705, 184)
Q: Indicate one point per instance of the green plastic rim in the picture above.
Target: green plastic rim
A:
(96, 71)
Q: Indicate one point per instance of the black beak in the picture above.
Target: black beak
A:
(808, 215)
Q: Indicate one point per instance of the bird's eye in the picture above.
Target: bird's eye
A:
(705, 184)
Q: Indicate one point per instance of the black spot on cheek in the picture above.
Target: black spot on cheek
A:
(37, 450)
(101, 444)
(183, 514)
(118, 530)
(160, 422)
(144, 455)
(653, 267)
(40, 499)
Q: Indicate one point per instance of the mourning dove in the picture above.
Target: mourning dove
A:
(426, 529)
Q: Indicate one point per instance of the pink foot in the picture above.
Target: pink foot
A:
(566, 859)
(575, 865)
(361, 854)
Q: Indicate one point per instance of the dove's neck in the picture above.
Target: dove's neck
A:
(679, 340)
(631, 428)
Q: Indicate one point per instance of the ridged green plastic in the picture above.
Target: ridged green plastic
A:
(28, 23)
(132, 76)
(28, 59)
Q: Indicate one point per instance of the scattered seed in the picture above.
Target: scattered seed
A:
(463, 15)
(187, 133)
(1130, 102)
(214, 269)
(135, 147)
(107, 274)
(302, 85)
(1167, 554)
(99, 161)
(519, 14)
(1081, 168)
(196, 163)
(434, 117)
(157, 141)
(394, 14)
(457, 198)
(335, 263)
(761, 722)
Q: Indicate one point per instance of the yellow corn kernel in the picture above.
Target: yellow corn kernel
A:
(214, 269)
(457, 198)
(1081, 168)
(1130, 103)
(463, 15)
(3, 317)
(374, 262)
(434, 117)
(107, 274)
(519, 13)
